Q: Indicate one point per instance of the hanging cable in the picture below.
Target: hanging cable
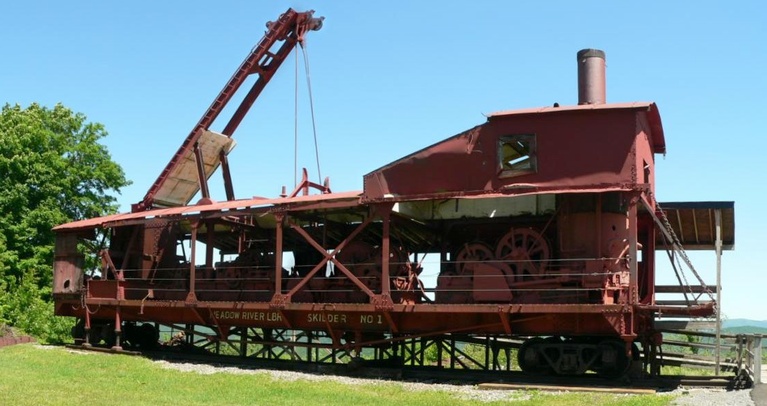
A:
(311, 107)
(295, 126)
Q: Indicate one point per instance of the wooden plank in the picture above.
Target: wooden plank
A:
(684, 325)
(728, 337)
(711, 383)
(697, 345)
(680, 302)
(558, 388)
(683, 289)
(698, 357)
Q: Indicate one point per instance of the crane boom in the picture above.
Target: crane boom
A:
(203, 150)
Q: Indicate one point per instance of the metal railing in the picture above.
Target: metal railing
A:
(260, 281)
(750, 359)
(742, 353)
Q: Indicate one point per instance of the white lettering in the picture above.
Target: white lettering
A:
(326, 318)
(226, 315)
(249, 316)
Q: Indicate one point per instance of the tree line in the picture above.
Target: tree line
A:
(53, 169)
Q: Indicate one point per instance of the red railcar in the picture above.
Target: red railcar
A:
(539, 223)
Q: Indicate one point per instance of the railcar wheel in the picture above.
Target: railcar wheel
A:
(472, 252)
(613, 362)
(78, 331)
(109, 335)
(148, 336)
(526, 250)
(530, 358)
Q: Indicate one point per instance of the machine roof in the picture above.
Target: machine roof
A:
(233, 205)
(653, 116)
(695, 224)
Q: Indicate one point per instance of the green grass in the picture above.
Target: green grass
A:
(31, 375)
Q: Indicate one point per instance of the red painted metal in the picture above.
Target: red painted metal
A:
(538, 218)
(583, 157)
(306, 202)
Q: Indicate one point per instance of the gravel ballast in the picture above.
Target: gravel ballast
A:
(691, 397)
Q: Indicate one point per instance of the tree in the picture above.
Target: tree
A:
(52, 170)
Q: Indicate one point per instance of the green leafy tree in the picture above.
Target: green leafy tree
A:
(52, 170)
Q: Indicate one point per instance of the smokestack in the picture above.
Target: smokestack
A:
(591, 76)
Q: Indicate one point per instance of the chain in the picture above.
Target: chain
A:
(677, 247)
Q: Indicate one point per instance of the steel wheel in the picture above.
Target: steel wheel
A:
(526, 250)
(472, 252)
(530, 359)
(614, 362)
(362, 260)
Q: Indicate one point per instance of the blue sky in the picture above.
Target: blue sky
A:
(391, 77)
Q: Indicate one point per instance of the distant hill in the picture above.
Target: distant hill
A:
(732, 323)
(745, 326)
(745, 330)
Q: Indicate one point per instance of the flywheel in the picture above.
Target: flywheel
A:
(525, 251)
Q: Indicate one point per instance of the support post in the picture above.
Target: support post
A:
(757, 343)
(633, 267)
(718, 247)
(278, 255)
(385, 254)
(202, 178)
(243, 342)
(87, 342)
(118, 330)
(191, 297)
(227, 175)
(210, 229)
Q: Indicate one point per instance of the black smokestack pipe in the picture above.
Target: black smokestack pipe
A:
(591, 77)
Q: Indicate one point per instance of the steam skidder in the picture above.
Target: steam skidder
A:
(543, 220)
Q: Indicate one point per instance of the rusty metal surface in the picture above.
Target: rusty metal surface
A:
(286, 203)
(576, 148)
(591, 77)
(534, 222)
(658, 137)
(433, 319)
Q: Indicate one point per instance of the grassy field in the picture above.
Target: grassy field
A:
(35, 375)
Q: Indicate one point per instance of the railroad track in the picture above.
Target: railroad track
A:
(490, 380)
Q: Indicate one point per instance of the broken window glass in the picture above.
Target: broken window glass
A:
(516, 154)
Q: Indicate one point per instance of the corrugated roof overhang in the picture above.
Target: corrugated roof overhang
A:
(350, 198)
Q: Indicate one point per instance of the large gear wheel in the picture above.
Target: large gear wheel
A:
(470, 253)
(526, 252)
(361, 259)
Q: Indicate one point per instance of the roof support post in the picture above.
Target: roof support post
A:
(385, 213)
(279, 217)
(718, 248)
(191, 297)
(210, 240)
